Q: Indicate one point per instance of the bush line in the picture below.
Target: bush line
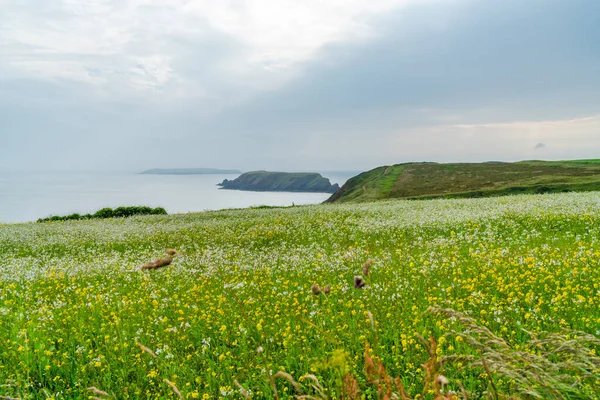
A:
(119, 212)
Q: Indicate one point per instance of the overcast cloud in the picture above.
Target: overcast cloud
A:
(288, 85)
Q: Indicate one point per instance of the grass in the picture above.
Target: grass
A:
(433, 180)
(235, 315)
(371, 185)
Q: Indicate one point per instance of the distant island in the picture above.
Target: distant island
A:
(427, 180)
(265, 181)
(191, 171)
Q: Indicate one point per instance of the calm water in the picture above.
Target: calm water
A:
(29, 196)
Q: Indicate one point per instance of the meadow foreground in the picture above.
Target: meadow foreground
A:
(236, 306)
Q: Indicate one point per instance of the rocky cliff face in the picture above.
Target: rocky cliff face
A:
(265, 181)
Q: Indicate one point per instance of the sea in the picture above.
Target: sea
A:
(27, 196)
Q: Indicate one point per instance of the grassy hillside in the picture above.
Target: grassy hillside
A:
(432, 180)
(237, 308)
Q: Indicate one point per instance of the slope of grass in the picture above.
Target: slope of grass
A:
(237, 307)
(432, 180)
(371, 185)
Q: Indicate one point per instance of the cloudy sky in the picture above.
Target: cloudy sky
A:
(293, 85)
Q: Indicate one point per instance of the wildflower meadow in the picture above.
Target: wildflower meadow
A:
(471, 298)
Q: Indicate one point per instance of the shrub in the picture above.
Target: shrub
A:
(103, 213)
(119, 212)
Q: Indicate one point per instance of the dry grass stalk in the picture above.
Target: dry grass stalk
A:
(350, 388)
(245, 393)
(386, 385)
(287, 377)
(97, 391)
(9, 398)
(389, 388)
(432, 366)
(146, 349)
(359, 282)
(158, 263)
(558, 366)
(433, 372)
(174, 388)
(316, 386)
(367, 266)
(562, 366)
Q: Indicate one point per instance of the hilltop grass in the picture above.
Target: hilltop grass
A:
(433, 180)
(521, 274)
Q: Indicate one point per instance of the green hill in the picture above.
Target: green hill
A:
(433, 180)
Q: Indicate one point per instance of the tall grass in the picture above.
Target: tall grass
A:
(254, 298)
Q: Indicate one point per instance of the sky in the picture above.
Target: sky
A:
(295, 85)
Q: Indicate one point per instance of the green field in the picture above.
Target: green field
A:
(467, 180)
(237, 306)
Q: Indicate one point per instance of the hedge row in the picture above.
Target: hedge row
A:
(119, 212)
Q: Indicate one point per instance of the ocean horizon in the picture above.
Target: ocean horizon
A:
(27, 196)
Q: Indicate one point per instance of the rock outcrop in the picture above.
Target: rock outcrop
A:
(265, 181)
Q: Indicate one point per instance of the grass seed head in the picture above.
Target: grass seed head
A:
(244, 392)
(316, 290)
(371, 319)
(359, 282)
(146, 349)
(97, 391)
(158, 263)
(441, 381)
(367, 266)
(174, 388)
